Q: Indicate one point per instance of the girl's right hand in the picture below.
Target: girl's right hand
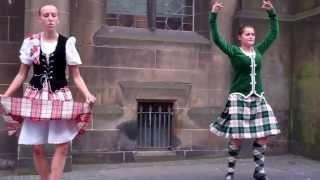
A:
(267, 5)
(216, 6)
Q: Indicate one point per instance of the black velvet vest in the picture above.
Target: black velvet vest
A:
(52, 69)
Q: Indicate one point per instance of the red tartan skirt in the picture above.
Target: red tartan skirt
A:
(43, 105)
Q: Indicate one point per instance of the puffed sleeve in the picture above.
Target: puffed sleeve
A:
(24, 56)
(72, 55)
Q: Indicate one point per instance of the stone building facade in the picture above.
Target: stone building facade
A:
(180, 71)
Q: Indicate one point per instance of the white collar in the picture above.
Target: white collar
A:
(250, 54)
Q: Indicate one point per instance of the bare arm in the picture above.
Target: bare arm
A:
(18, 80)
(81, 85)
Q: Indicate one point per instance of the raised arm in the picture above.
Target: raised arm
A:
(215, 35)
(274, 27)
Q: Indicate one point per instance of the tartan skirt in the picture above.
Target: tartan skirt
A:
(44, 105)
(246, 118)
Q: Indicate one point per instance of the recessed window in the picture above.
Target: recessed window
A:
(170, 14)
(155, 125)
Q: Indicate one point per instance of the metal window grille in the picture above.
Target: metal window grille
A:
(155, 125)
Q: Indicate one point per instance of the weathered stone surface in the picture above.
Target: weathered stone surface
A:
(105, 34)
(4, 30)
(304, 134)
(98, 157)
(8, 72)
(106, 116)
(104, 141)
(9, 52)
(199, 98)
(177, 59)
(16, 27)
(203, 116)
(156, 90)
(123, 65)
(123, 57)
(8, 144)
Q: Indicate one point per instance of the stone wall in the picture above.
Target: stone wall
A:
(121, 66)
(130, 63)
(11, 35)
(305, 119)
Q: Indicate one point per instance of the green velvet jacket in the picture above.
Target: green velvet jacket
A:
(247, 70)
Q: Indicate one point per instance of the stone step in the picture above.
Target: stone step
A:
(142, 156)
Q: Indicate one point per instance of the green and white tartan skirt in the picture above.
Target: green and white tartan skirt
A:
(245, 118)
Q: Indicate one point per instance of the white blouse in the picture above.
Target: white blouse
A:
(72, 55)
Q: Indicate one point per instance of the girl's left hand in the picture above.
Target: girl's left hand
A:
(267, 5)
(90, 99)
(82, 125)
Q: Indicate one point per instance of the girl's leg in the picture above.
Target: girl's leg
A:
(40, 161)
(259, 149)
(58, 161)
(233, 150)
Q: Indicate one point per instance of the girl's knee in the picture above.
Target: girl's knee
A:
(235, 142)
(62, 149)
(262, 141)
(38, 150)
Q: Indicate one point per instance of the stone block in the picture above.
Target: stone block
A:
(104, 141)
(8, 144)
(86, 53)
(105, 116)
(177, 59)
(203, 116)
(9, 52)
(143, 37)
(16, 29)
(3, 8)
(99, 157)
(128, 131)
(92, 76)
(201, 140)
(133, 90)
(8, 72)
(183, 139)
(84, 30)
(164, 75)
(205, 153)
(199, 98)
(218, 99)
(182, 120)
(205, 61)
(219, 75)
(124, 57)
(277, 89)
(4, 28)
(200, 79)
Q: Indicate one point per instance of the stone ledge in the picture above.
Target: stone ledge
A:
(139, 34)
(133, 90)
(255, 14)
